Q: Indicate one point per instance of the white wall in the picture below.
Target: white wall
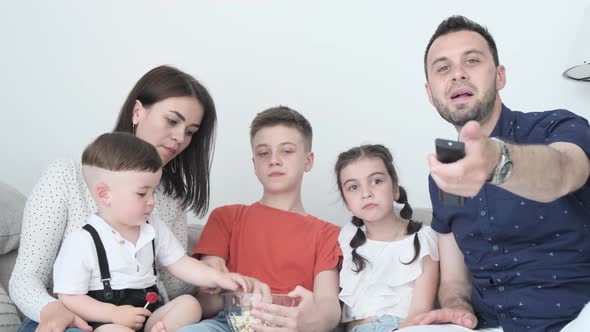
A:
(353, 68)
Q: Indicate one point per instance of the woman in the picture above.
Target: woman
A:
(167, 108)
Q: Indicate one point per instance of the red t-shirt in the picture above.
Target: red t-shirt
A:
(280, 248)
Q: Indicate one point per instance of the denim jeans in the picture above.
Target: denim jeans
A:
(381, 324)
(29, 325)
(217, 324)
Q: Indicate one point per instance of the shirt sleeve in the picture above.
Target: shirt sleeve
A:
(72, 270)
(439, 222)
(428, 243)
(565, 126)
(329, 255)
(168, 248)
(215, 238)
(44, 221)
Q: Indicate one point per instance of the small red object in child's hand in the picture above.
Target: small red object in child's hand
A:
(150, 297)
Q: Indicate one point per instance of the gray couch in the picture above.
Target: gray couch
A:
(12, 205)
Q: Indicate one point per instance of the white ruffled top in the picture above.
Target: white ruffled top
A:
(385, 286)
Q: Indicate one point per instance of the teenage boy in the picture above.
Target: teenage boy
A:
(275, 240)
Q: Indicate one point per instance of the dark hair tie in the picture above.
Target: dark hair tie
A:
(406, 212)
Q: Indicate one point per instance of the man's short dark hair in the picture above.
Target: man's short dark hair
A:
(458, 23)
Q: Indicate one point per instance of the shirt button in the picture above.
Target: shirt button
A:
(496, 247)
(502, 315)
(501, 288)
(482, 213)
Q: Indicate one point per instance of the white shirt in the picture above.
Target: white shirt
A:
(77, 271)
(60, 204)
(385, 286)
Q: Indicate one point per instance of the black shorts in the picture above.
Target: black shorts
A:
(128, 296)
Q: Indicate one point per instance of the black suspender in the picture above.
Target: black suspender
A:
(105, 274)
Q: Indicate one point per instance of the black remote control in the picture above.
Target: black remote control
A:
(448, 152)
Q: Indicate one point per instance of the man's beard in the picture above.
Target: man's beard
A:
(479, 112)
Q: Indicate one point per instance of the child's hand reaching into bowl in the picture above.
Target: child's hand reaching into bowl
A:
(232, 281)
(238, 282)
(217, 263)
(257, 287)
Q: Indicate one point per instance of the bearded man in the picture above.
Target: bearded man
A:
(516, 255)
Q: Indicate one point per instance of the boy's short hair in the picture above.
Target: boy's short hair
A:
(282, 115)
(120, 151)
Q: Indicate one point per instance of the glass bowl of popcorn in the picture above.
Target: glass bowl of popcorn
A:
(237, 307)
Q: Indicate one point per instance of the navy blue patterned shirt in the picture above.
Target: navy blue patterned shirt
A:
(529, 261)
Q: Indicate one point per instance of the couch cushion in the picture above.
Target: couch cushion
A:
(423, 215)
(12, 204)
(6, 266)
(194, 231)
(9, 319)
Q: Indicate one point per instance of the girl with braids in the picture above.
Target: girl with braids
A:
(390, 268)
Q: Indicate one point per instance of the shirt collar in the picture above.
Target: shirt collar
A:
(146, 232)
(505, 123)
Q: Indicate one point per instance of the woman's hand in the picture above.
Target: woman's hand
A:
(55, 317)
